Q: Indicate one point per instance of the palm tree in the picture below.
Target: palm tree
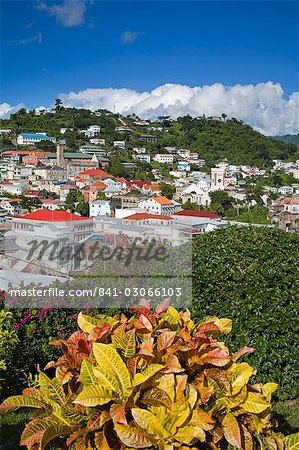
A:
(224, 116)
(58, 103)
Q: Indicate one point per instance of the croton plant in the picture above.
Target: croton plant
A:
(151, 380)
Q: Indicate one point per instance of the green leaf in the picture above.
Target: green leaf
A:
(19, 401)
(292, 441)
(149, 372)
(254, 404)
(124, 341)
(268, 389)
(87, 375)
(52, 388)
(34, 431)
(110, 361)
(87, 323)
(52, 432)
(94, 395)
(240, 375)
(134, 436)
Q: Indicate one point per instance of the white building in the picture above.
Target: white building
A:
(184, 166)
(97, 141)
(120, 144)
(92, 131)
(291, 205)
(142, 158)
(217, 179)
(285, 190)
(196, 194)
(34, 138)
(159, 205)
(139, 150)
(92, 149)
(63, 130)
(123, 128)
(99, 208)
(49, 229)
(11, 206)
(5, 131)
(14, 188)
(295, 173)
(51, 204)
(164, 158)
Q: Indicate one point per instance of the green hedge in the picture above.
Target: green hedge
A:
(251, 275)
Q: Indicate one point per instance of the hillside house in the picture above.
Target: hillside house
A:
(163, 158)
(99, 208)
(34, 138)
(160, 205)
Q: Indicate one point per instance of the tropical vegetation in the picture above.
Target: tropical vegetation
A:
(213, 140)
(251, 275)
(155, 380)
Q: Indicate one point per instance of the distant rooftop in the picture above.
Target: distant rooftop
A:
(52, 216)
(36, 135)
(71, 155)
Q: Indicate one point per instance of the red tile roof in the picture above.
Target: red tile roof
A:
(195, 213)
(121, 180)
(50, 201)
(25, 152)
(286, 201)
(162, 200)
(52, 216)
(96, 172)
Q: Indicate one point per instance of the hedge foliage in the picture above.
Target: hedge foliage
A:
(251, 275)
(153, 380)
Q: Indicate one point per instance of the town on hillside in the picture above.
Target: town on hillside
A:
(134, 171)
(107, 165)
(126, 177)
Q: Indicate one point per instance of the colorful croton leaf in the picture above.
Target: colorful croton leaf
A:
(151, 380)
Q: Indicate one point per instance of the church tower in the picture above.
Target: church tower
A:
(60, 153)
(217, 179)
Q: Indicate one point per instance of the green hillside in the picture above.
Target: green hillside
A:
(238, 142)
(213, 140)
(288, 139)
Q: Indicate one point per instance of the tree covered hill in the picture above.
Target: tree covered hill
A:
(288, 139)
(213, 140)
(231, 139)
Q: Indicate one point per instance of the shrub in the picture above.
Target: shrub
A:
(252, 276)
(155, 381)
(34, 329)
(8, 337)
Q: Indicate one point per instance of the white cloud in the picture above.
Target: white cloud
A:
(262, 105)
(38, 38)
(129, 37)
(6, 109)
(69, 13)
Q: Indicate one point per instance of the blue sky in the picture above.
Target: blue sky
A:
(57, 47)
